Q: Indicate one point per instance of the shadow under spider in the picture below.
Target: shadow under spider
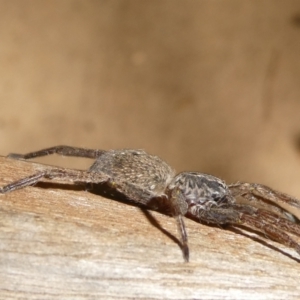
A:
(158, 205)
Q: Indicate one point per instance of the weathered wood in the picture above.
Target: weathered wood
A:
(58, 243)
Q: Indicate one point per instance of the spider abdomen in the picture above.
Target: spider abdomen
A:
(136, 167)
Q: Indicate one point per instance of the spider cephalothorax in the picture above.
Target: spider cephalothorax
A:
(142, 177)
(201, 190)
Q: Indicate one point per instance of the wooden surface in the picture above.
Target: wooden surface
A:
(64, 243)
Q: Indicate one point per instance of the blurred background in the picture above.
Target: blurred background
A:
(210, 86)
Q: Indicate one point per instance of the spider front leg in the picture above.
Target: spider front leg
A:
(61, 150)
(257, 192)
(266, 222)
(56, 174)
(274, 231)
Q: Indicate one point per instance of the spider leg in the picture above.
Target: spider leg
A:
(180, 208)
(265, 197)
(57, 174)
(216, 215)
(176, 201)
(283, 223)
(62, 150)
(271, 230)
(266, 222)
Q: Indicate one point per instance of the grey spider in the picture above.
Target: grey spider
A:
(142, 177)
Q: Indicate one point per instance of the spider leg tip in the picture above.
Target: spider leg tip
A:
(186, 254)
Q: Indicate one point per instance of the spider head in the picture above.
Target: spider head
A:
(202, 190)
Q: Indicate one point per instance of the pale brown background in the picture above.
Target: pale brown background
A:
(212, 86)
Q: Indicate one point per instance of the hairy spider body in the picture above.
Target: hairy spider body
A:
(142, 177)
(135, 167)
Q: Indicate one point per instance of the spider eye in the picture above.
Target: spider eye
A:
(215, 195)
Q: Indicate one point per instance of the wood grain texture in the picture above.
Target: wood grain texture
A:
(64, 243)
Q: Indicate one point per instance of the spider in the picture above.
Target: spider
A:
(142, 177)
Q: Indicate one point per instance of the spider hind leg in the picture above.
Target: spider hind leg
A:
(61, 150)
(56, 174)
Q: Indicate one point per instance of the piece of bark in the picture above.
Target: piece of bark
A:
(64, 243)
